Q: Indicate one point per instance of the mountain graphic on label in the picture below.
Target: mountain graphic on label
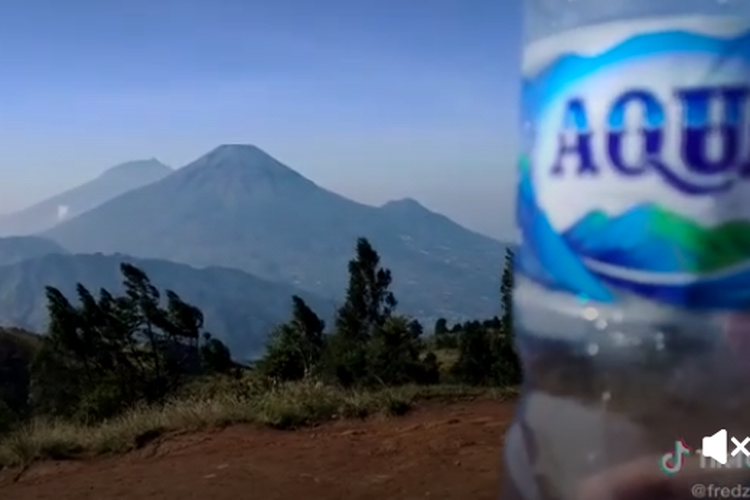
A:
(647, 250)
(653, 239)
(544, 256)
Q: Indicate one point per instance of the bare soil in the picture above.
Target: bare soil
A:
(438, 451)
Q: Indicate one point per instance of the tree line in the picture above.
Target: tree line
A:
(109, 353)
(370, 344)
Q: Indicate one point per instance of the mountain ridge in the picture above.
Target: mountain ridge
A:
(15, 249)
(114, 181)
(150, 167)
(237, 206)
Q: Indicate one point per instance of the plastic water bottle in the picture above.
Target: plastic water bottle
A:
(633, 277)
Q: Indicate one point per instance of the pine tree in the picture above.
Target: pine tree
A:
(506, 293)
(507, 365)
(369, 301)
(369, 304)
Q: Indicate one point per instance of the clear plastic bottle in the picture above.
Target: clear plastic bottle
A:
(633, 277)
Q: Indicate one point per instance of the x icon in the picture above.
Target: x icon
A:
(740, 447)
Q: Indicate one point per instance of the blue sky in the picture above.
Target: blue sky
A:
(376, 99)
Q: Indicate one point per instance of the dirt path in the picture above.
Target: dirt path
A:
(438, 452)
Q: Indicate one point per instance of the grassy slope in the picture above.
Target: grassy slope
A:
(21, 338)
(222, 401)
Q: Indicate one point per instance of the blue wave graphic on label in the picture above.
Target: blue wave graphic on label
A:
(635, 175)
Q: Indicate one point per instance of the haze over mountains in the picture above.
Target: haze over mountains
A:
(239, 207)
(14, 249)
(111, 183)
(272, 232)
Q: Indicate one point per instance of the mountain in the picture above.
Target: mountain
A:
(239, 207)
(651, 238)
(17, 248)
(108, 185)
(239, 308)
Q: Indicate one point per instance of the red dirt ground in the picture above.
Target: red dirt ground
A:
(439, 451)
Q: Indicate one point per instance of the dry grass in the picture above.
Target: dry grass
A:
(446, 358)
(219, 403)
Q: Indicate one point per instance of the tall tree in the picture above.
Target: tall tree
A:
(475, 357)
(295, 348)
(369, 301)
(371, 345)
(395, 352)
(144, 300)
(112, 352)
(507, 365)
(441, 326)
(369, 304)
(507, 284)
(182, 324)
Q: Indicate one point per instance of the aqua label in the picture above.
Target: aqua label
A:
(635, 172)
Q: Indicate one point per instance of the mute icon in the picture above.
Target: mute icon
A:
(715, 447)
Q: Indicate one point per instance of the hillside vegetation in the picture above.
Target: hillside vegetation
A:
(238, 308)
(115, 371)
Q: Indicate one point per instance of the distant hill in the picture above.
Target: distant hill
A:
(17, 248)
(240, 309)
(238, 207)
(113, 182)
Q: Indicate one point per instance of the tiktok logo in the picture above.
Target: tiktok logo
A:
(671, 463)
